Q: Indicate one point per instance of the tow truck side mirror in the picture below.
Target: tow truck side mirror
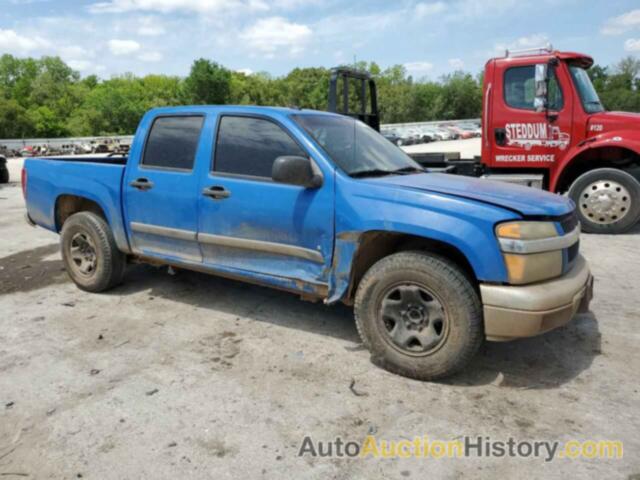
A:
(541, 80)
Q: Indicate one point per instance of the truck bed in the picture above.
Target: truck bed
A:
(95, 177)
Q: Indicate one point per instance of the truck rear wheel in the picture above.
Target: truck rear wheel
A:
(90, 253)
(607, 200)
(418, 315)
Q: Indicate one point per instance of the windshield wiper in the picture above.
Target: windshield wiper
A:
(374, 172)
(377, 172)
(410, 169)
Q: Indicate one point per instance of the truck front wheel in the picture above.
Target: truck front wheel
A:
(90, 253)
(418, 315)
(607, 200)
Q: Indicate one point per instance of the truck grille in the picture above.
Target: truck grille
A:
(569, 222)
(572, 252)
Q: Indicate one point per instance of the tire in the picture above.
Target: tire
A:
(607, 200)
(419, 275)
(84, 233)
(4, 174)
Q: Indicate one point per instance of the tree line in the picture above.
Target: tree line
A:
(46, 98)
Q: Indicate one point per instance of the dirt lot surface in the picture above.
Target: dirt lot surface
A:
(190, 376)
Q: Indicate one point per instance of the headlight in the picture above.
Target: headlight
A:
(533, 250)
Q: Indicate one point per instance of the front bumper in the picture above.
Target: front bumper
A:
(523, 311)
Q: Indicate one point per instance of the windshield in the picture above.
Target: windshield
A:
(588, 95)
(356, 148)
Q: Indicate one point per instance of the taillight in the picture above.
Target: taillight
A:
(23, 180)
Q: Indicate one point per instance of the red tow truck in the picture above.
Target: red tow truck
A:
(544, 125)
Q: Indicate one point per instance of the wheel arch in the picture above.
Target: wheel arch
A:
(377, 244)
(603, 156)
(68, 204)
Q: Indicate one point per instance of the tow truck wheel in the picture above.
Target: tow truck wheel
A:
(418, 315)
(607, 200)
(90, 253)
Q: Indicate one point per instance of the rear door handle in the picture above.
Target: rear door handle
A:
(142, 184)
(216, 192)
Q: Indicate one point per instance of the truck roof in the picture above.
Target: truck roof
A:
(237, 108)
(581, 59)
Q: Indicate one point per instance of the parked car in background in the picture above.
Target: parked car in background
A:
(471, 128)
(418, 135)
(406, 138)
(434, 133)
(27, 152)
(459, 132)
(392, 137)
(68, 149)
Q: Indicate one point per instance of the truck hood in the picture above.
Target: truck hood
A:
(523, 200)
(612, 121)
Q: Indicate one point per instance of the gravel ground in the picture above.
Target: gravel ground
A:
(176, 376)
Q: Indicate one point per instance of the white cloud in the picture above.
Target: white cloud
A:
(424, 9)
(272, 34)
(82, 65)
(73, 51)
(12, 42)
(167, 6)
(123, 47)
(418, 68)
(632, 45)
(150, 27)
(246, 71)
(456, 63)
(622, 23)
(150, 57)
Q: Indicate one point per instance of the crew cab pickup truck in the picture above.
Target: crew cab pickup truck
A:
(322, 205)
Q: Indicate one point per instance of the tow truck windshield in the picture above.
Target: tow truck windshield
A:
(588, 95)
(356, 148)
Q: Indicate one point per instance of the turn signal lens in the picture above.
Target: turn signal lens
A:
(526, 230)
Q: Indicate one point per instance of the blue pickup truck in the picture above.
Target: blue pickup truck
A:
(321, 205)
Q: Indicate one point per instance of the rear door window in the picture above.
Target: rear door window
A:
(173, 142)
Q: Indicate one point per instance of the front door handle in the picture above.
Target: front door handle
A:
(142, 184)
(501, 136)
(216, 192)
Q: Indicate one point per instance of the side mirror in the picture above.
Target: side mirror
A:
(541, 80)
(295, 170)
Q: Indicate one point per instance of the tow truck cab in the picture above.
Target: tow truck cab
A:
(542, 125)
(543, 120)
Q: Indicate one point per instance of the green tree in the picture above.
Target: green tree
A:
(14, 122)
(208, 83)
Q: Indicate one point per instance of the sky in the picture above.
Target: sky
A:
(430, 38)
